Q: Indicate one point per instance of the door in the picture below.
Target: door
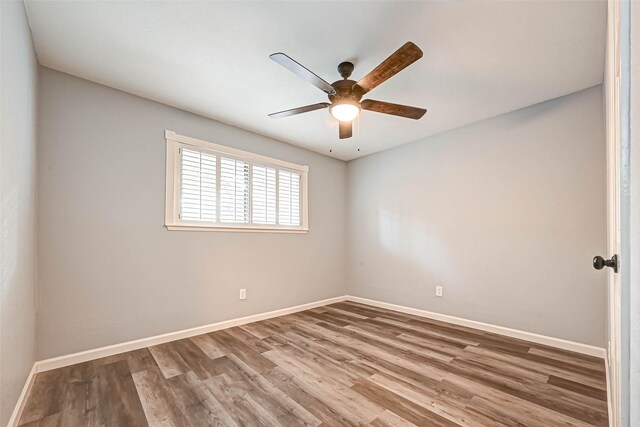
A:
(610, 261)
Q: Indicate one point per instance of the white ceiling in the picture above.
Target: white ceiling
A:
(481, 58)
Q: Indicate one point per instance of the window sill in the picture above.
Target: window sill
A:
(249, 229)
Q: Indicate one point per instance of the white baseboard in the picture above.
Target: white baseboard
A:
(513, 333)
(22, 400)
(85, 356)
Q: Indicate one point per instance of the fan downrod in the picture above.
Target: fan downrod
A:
(345, 69)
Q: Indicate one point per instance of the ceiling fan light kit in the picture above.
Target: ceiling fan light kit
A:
(345, 94)
(345, 111)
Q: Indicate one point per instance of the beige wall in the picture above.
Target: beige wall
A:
(505, 214)
(17, 204)
(110, 272)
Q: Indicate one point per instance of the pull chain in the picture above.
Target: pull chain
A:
(358, 132)
(330, 127)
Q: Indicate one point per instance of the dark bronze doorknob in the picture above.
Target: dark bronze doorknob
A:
(599, 263)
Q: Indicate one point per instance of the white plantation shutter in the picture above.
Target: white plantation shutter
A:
(263, 193)
(197, 186)
(288, 198)
(210, 186)
(234, 191)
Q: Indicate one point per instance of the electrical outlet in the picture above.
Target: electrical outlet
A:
(243, 294)
(438, 291)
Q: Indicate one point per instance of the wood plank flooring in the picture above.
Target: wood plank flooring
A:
(342, 364)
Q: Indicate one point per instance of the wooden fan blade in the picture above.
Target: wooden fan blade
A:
(398, 61)
(299, 110)
(345, 130)
(299, 70)
(394, 109)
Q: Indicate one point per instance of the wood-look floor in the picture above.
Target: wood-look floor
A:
(343, 364)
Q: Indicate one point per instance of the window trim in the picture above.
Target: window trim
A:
(172, 190)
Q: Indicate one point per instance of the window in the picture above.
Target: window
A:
(212, 187)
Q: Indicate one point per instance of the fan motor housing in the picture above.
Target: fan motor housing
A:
(344, 91)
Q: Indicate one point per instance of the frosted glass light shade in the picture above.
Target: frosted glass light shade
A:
(345, 112)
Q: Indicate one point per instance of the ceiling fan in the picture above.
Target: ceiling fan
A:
(345, 95)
